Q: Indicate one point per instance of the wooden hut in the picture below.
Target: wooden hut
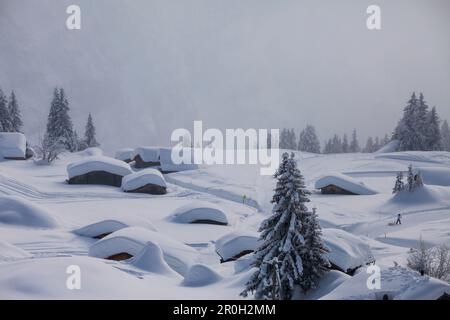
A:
(147, 157)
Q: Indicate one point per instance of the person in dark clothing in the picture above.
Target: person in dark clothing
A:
(399, 219)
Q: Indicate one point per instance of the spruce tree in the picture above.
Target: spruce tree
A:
(308, 140)
(354, 144)
(399, 185)
(290, 237)
(345, 145)
(369, 145)
(5, 121)
(14, 114)
(433, 139)
(445, 136)
(89, 134)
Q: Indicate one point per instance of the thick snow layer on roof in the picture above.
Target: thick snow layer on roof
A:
(399, 283)
(9, 252)
(345, 182)
(391, 146)
(125, 154)
(329, 281)
(234, 243)
(439, 176)
(12, 145)
(151, 259)
(167, 165)
(132, 240)
(111, 225)
(346, 250)
(18, 211)
(200, 275)
(148, 154)
(98, 163)
(142, 178)
(199, 211)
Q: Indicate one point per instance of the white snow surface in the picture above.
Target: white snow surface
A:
(346, 250)
(125, 154)
(112, 225)
(12, 145)
(198, 210)
(148, 154)
(98, 163)
(435, 175)
(236, 242)
(141, 178)
(133, 239)
(167, 165)
(200, 275)
(345, 182)
(10, 252)
(21, 212)
(391, 146)
(151, 259)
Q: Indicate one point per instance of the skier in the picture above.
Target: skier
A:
(399, 219)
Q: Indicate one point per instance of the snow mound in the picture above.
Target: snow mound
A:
(347, 252)
(244, 263)
(236, 244)
(198, 212)
(133, 239)
(344, 182)
(12, 145)
(91, 152)
(98, 163)
(105, 227)
(18, 211)
(435, 195)
(151, 259)
(142, 178)
(148, 154)
(11, 252)
(167, 165)
(391, 146)
(125, 154)
(200, 275)
(418, 156)
(398, 283)
(330, 281)
(439, 176)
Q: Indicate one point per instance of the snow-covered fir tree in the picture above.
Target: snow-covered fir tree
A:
(345, 145)
(5, 122)
(414, 179)
(89, 134)
(445, 136)
(14, 114)
(433, 132)
(369, 148)
(336, 144)
(308, 140)
(290, 240)
(354, 144)
(399, 184)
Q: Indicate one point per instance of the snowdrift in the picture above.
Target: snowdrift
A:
(236, 244)
(198, 212)
(151, 259)
(146, 181)
(10, 252)
(425, 197)
(347, 252)
(344, 182)
(98, 163)
(167, 165)
(200, 275)
(12, 145)
(126, 154)
(439, 176)
(18, 211)
(391, 146)
(330, 281)
(133, 239)
(103, 228)
(398, 283)
(91, 152)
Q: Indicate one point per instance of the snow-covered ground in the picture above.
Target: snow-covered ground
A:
(47, 225)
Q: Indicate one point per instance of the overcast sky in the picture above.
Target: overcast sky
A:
(145, 67)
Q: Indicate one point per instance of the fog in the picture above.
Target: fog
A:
(144, 67)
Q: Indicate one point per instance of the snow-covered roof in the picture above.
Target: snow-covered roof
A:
(200, 275)
(151, 259)
(111, 225)
(234, 243)
(12, 145)
(98, 163)
(142, 178)
(167, 165)
(125, 154)
(346, 250)
(398, 282)
(9, 251)
(133, 239)
(344, 182)
(196, 211)
(18, 211)
(148, 154)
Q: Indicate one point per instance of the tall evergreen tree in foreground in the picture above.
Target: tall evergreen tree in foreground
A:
(292, 253)
(89, 134)
(14, 114)
(5, 122)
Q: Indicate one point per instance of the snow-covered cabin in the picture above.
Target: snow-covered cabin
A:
(347, 252)
(101, 229)
(13, 146)
(199, 212)
(167, 164)
(98, 170)
(149, 181)
(126, 154)
(236, 244)
(146, 157)
(342, 184)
